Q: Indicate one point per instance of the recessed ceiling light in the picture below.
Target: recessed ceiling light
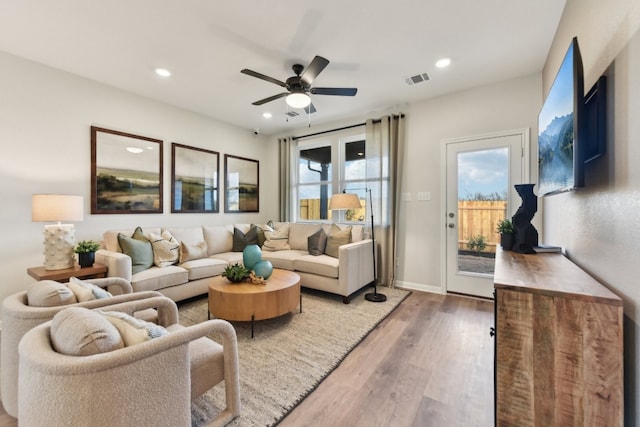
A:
(163, 72)
(443, 63)
(267, 115)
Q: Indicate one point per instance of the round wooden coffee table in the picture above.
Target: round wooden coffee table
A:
(249, 302)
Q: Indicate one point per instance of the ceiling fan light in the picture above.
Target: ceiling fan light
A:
(298, 100)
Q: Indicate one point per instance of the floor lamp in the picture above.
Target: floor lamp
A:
(344, 201)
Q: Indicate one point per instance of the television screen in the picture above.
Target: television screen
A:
(559, 161)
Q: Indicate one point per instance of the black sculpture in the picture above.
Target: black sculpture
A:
(526, 235)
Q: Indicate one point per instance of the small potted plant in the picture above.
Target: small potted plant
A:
(86, 250)
(236, 273)
(505, 229)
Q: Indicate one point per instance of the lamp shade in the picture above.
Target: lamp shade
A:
(298, 100)
(56, 207)
(342, 201)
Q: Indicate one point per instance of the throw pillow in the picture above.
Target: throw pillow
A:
(260, 229)
(317, 242)
(86, 291)
(337, 237)
(166, 249)
(277, 240)
(189, 252)
(131, 329)
(78, 331)
(48, 293)
(138, 248)
(240, 239)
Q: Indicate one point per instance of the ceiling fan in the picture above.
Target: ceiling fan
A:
(299, 86)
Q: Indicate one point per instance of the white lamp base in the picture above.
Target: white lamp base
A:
(59, 241)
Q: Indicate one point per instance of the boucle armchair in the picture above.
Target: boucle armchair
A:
(18, 317)
(150, 383)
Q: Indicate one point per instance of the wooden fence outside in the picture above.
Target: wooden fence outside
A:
(480, 218)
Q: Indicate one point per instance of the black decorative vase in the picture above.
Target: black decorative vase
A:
(86, 259)
(525, 234)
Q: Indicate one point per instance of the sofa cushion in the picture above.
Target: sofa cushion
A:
(166, 249)
(241, 239)
(189, 252)
(156, 278)
(277, 240)
(283, 259)
(188, 235)
(317, 242)
(322, 265)
(47, 293)
(138, 248)
(110, 237)
(228, 257)
(219, 238)
(299, 233)
(204, 267)
(261, 228)
(132, 330)
(78, 331)
(357, 230)
(337, 237)
(87, 291)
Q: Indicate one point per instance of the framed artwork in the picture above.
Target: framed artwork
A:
(126, 173)
(194, 179)
(241, 184)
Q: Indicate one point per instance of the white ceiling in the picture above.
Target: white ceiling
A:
(372, 45)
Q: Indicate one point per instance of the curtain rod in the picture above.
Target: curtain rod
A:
(394, 116)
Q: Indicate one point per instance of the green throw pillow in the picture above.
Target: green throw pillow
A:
(337, 238)
(138, 248)
(240, 239)
(317, 242)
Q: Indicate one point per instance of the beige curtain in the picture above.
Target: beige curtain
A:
(285, 147)
(385, 150)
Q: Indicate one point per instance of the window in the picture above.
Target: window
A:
(329, 164)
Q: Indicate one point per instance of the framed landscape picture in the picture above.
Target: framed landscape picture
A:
(241, 184)
(194, 179)
(126, 173)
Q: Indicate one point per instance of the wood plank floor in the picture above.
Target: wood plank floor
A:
(430, 363)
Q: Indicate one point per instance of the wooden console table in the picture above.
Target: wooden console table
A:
(559, 344)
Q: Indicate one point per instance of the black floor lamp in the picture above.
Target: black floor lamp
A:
(344, 201)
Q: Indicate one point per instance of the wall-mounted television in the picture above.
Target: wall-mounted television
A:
(595, 123)
(560, 159)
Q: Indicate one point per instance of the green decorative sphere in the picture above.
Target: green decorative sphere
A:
(263, 268)
(251, 255)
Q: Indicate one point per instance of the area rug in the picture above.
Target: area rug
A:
(290, 355)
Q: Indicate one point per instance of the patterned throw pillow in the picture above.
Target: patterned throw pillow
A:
(138, 248)
(337, 237)
(87, 291)
(133, 330)
(277, 240)
(166, 249)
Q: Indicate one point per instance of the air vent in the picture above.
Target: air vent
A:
(291, 113)
(418, 78)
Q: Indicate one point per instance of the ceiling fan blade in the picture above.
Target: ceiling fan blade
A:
(310, 109)
(313, 69)
(263, 77)
(340, 91)
(271, 98)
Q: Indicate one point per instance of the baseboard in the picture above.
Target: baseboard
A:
(419, 287)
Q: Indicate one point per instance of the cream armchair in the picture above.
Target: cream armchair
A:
(151, 383)
(18, 317)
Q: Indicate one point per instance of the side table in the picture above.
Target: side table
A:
(95, 271)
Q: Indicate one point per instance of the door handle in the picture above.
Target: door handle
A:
(451, 225)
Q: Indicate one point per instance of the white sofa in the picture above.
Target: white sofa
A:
(352, 270)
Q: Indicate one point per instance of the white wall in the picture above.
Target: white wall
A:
(45, 119)
(598, 225)
(503, 106)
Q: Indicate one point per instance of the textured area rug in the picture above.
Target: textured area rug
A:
(290, 355)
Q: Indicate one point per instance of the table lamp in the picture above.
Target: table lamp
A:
(59, 239)
(345, 201)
